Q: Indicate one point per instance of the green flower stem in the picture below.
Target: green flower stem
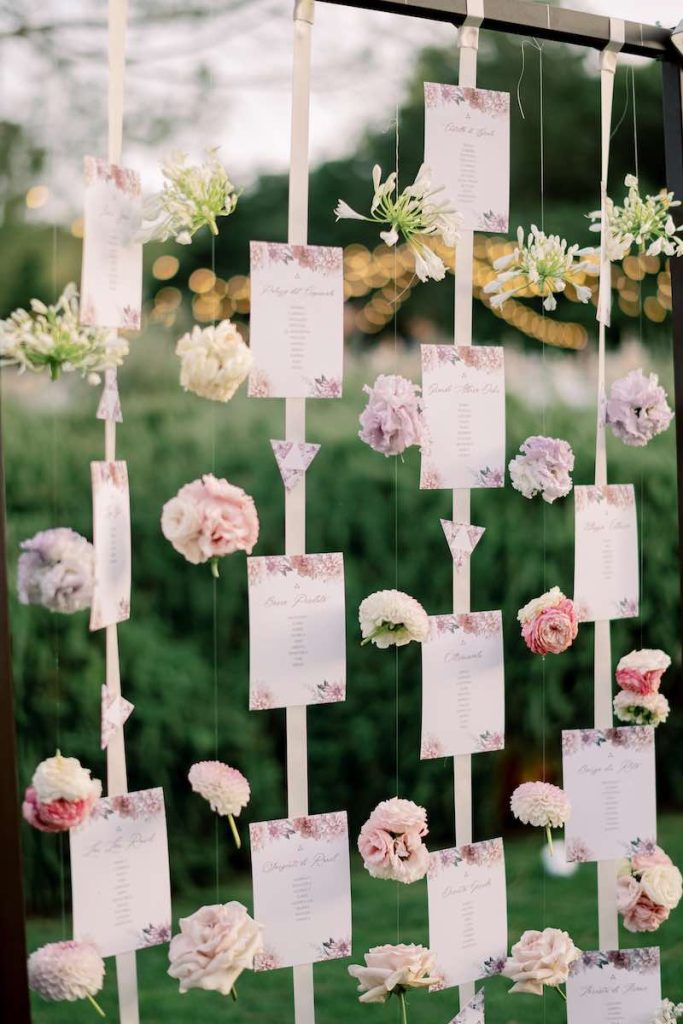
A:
(54, 371)
(560, 991)
(235, 833)
(550, 840)
(96, 1005)
(214, 568)
(404, 1011)
(233, 993)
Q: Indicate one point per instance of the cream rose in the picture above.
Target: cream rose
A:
(181, 524)
(540, 958)
(214, 946)
(214, 361)
(390, 969)
(663, 883)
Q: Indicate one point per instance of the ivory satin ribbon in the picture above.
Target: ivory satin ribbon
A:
(468, 43)
(117, 781)
(608, 919)
(295, 430)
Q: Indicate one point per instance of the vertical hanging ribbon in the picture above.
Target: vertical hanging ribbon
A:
(608, 920)
(295, 430)
(468, 44)
(117, 781)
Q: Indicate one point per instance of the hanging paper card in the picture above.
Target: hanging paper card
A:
(606, 553)
(467, 148)
(111, 285)
(609, 777)
(302, 889)
(109, 407)
(463, 391)
(120, 875)
(621, 986)
(111, 538)
(473, 1013)
(293, 459)
(463, 685)
(297, 630)
(468, 930)
(462, 540)
(114, 713)
(297, 321)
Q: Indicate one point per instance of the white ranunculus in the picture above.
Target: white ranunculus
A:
(214, 361)
(214, 946)
(663, 883)
(62, 778)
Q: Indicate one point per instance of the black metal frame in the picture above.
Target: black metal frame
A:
(517, 17)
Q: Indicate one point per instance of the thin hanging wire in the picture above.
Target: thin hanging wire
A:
(214, 612)
(396, 665)
(632, 75)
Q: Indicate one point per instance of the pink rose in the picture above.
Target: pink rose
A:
(539, 959)
(390, 841)
(553, 630)
(629, 891)
(56, 815)
(210, 518)
(639, 682)
(642, 861)
(645, 916)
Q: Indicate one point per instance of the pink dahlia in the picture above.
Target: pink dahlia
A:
(225, 788)
(66, 971)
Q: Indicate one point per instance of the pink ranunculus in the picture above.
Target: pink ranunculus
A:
(639, 682)
(645, 915)
(210, 518)
(56, 815)
(553, 630)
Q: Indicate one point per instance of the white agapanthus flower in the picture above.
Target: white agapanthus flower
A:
(193, 195)
(391, 617)
(543, 263)
(645, 223)
(52, 338)
(213, 361)
(669, 1012)
(414, 215)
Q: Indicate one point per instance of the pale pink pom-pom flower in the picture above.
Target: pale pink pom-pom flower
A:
(225, 788)
(66, 971)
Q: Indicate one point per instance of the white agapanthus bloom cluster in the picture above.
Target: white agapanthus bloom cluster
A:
(52, 338)
(645, 223)
(193, 195)
(413, 215)
(669, 1013)
(543, 263)
(214, 361)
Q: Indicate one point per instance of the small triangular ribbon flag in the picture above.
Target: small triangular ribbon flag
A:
(473, 1013)
(116, 711)
(109, 407)
(462, 539)
(293, 459)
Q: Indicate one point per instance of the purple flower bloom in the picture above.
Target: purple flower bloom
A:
(543, 467)
(392, 419)
(637, 408)
(56, 570)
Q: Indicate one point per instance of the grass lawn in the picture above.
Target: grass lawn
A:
(533, 901)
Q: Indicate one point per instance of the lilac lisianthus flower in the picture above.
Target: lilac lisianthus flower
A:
(637, 409)
(392, 419)
(56, 570)
(544, 467)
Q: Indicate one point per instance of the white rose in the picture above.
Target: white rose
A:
(663, 883)
(214, 361)
(390, 968)
(214, 946)
(391, 617)
(181, 524)
(62, 778)
(647, 660)
(540, 958)
(548, 600)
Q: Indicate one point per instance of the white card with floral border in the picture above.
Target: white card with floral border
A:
(463, 685)
(111, 281)
(606, 553)
(120, 874)
(111, 540)
(621, 986)
(296, 329)
(467, 149)
(609, 777)
(463, 391)
(297, 630)
(468, 930)
(302, 889)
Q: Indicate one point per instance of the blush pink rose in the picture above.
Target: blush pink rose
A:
(553, 630)
(641, 861)
(639, 682)
(629, 891)
(56, 815)
(645, 916)
(390, 841)
(210, 518)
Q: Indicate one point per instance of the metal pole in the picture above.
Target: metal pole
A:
(13, 977)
